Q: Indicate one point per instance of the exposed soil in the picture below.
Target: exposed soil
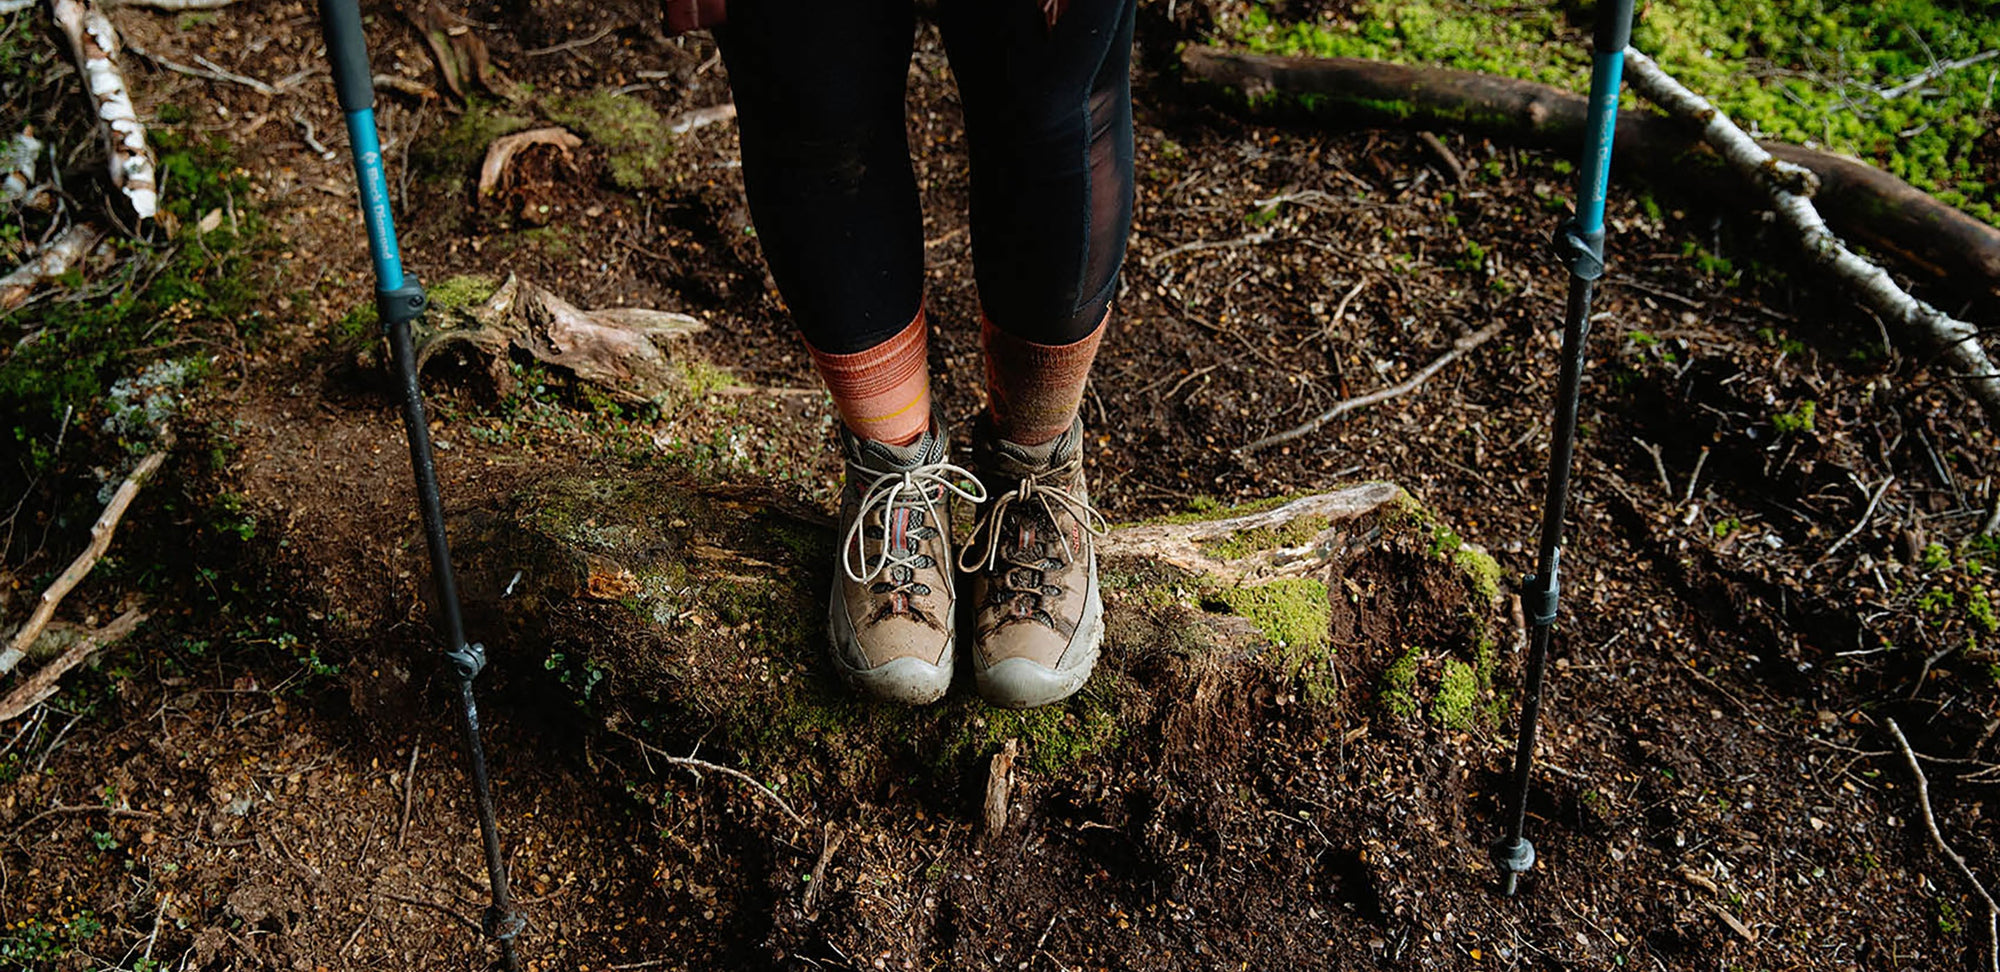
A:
(1718, 786)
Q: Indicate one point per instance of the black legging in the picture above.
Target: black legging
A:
(819, 87)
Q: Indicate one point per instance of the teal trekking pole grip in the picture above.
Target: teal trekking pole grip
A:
(1579, 244)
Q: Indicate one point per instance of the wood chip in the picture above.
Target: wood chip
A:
(1734, 925)
(1000, 786)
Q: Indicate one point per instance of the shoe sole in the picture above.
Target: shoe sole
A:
(1021, 683)
(911, 681)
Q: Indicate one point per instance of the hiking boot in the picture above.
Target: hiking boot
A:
(892, 615)
(1032, 557)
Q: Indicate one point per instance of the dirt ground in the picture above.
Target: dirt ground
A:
(1775, 550)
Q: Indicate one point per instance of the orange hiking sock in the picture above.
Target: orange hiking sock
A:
(1034, 389)
(883, 393)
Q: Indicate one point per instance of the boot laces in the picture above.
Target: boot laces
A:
(922, 487)
(1037, 488)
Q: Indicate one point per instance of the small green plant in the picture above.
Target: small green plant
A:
(1725, 527)
(1399, 684)
(1472, 258)
(1800, 419)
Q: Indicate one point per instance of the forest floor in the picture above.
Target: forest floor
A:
(1776, 548)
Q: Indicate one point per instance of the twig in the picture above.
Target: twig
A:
(573, 44)
(441, 909)
(814, 884)
(43, 684)
(100, 539)
(1444, 155)
(409, 793)
(1251, 239)
(1458, 349)
(695, 766)
(1340, 309)
(1695, 477)
(1659, 465)
(95, 44)
(1932, 73)
(1788, 187)
(209, 70)
(1866, 515)
(1937, 838)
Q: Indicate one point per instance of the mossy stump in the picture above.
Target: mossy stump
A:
(673, 611)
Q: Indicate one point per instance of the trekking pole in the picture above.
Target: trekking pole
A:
(400, 300)
(1580, 246)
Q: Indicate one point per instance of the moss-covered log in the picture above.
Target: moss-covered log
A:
(1862, 203)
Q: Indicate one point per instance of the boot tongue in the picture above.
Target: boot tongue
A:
(883, 457)
(1024, 460)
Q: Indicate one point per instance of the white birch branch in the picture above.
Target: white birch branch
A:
(17, 165)
(49, 262)
(95, 45)
(1957, 342)
(100, 540)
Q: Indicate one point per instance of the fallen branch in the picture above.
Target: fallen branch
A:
(100, 540)
(1937, 839)
(694, 118)
(176, 5)
(1862, 202)
(1933, 73)
(49, 262)
(17, 165)
(95, 45)
(1956, 341)
(1192, 546)
(44, 683)
(697, 766)
(1458, 350)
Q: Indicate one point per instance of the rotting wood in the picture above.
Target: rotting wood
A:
(1955, 342)
(1181, 544)
(615, 347)
(504, 148)
(1860, 202)
(1000, 787)
(95, 44)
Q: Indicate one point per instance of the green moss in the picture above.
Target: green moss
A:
(631, 133)
(1799, 419)
(1806, 71)
(1480, 569)
(452, 155)
(1295, 615)
(1456, 704)
(703, 377)
(1979, 607)
(1398, 692)
(1245, 542)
